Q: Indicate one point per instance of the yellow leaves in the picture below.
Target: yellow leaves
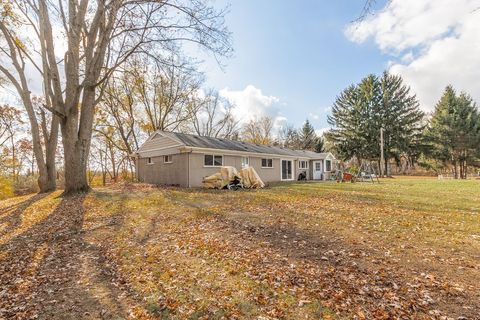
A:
(6, 188)
(6, 9)
(19, 43)
(33, 210)
(284, 252)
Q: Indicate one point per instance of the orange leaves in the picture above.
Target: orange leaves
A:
(281, 253)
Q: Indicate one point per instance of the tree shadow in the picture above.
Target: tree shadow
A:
(14, 219)
(352, 265)
(51, 272)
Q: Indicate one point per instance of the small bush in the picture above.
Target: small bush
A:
(6, 188)
(26, 185)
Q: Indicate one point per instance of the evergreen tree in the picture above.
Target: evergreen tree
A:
(307, 136)
(362, 110)
(320, 145)
(454, 132)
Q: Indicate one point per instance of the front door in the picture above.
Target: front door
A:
(317, 170)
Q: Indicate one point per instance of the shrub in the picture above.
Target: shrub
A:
(26, 185)
(6, 188)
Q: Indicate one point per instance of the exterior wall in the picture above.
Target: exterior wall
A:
(157, 153)
(307, 170)
(175, 173)
(310, 169)
(158, 142)
(198, 171)
(188, 170)
(266, 174)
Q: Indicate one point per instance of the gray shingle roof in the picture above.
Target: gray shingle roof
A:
(224, 144)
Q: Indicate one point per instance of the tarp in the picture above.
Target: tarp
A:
(248, 178)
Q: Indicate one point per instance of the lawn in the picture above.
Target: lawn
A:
(404, 248)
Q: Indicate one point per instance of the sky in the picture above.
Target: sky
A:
(292, 58)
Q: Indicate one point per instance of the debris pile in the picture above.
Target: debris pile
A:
(230, 178)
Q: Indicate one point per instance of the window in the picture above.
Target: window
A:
(267, 163)
(318, 166)
(245, 162)
(328, 165)
(167, 159)
(149, 161)
(211, 160)
(287, 170)
(303, 164)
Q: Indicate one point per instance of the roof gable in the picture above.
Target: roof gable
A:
(158, 141)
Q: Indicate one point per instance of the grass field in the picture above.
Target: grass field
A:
(404, 248)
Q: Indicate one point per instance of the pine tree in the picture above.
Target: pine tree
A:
(454, 132)
(307, 136)
(362, 110)
(320, 145)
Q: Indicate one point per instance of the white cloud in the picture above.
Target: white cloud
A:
(434, 43)
(321, 131)
(250, 103)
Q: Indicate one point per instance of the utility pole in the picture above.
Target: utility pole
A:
(382, 160)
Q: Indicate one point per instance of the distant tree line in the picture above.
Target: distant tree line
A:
(447, 139)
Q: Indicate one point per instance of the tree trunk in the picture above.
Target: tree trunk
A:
(51, 182)
(13, 159)
(75, 155)
(76, 139)
(386, 166)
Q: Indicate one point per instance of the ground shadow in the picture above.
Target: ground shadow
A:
(352, 264)
(51, 272)
(13, 220)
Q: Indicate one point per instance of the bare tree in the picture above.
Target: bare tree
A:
(10, 120)
(99, 37)
(214, 118)
(14, 68)
(289, 137)
(166, 93)
(118, 119)
(259, 131)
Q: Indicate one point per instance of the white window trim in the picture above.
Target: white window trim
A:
(325, 164)
(267, 163)
(150, 163)
(293, 170)
(213, 155)
(170, 156)
(248, 161)
(306, 161)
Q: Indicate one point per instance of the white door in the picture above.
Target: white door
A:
(317, 170)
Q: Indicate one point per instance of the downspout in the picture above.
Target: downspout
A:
(188, 151)
(188, 170)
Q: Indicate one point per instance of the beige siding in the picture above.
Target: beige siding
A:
(198, 171)
(266, 174)
(188, 169)
(175, 173)
(157, 143)
(310, 170)
(157, 153)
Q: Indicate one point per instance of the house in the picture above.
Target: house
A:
(172, 158)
